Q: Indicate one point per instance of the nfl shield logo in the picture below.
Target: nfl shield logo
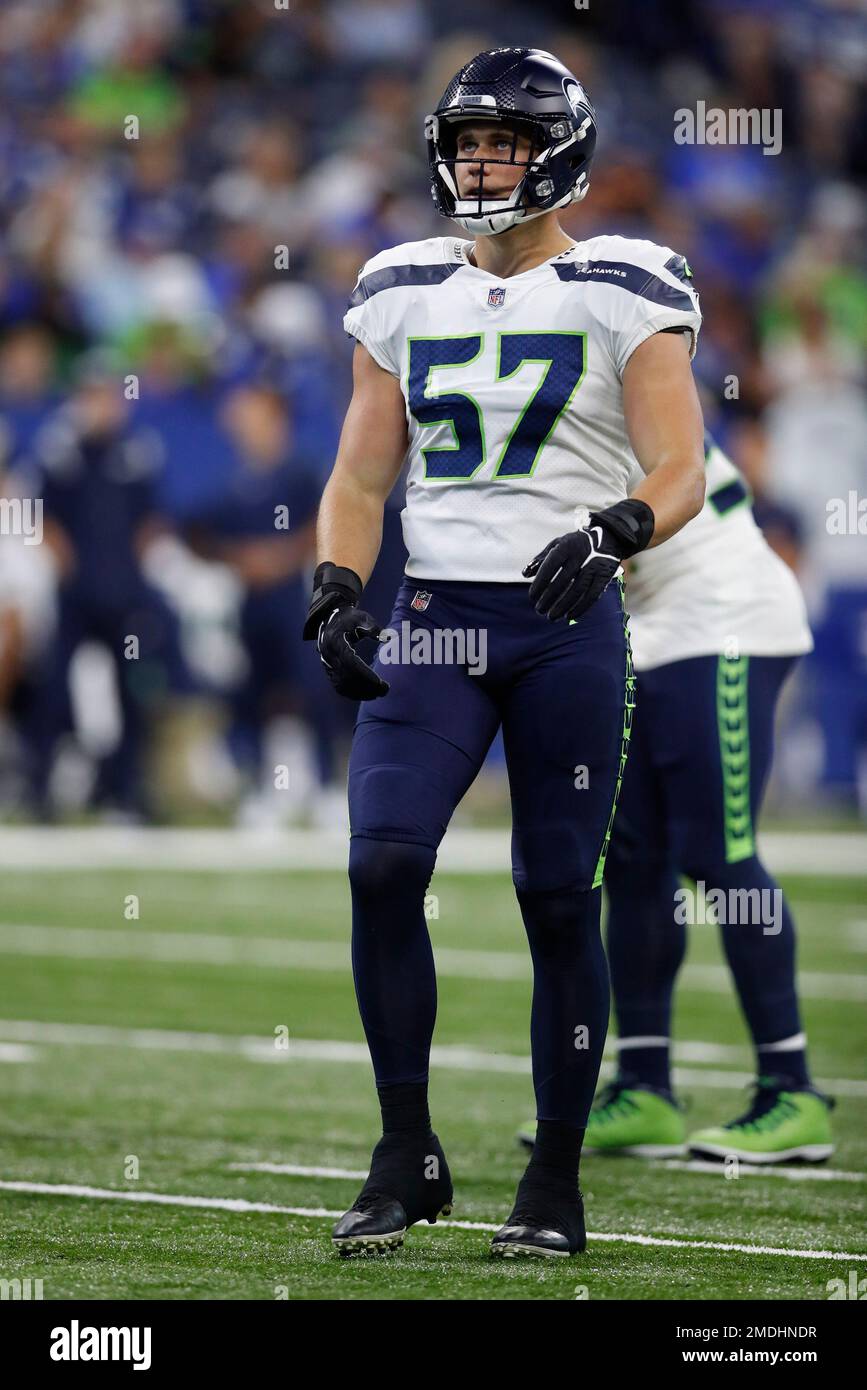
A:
(497, 297)
(421, 601)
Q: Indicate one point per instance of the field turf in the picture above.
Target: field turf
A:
(161, 1054)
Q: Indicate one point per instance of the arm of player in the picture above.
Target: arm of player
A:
(370, 455)
(666, 431)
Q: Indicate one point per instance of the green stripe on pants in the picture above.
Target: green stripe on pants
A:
(733, 725)
(628, 707)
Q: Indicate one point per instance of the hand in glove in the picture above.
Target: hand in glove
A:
(573, 570)
(337, 623)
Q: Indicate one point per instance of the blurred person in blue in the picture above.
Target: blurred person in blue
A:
(819, 413)
(95, 473)
(262, 528)
(179, 401)
(283, 336)
(28, 386)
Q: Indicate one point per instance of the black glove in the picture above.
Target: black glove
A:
(337, 623)
(573, 570)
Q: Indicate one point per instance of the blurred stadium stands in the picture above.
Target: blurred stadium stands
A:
(173, 364)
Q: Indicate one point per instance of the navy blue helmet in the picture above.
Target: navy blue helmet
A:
(532, 93)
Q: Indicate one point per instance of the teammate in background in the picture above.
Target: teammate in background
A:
(717, 623)
(522, 373)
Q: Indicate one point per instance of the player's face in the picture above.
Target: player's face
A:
(479, 147)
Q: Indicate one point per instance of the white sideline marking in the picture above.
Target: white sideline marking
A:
(149, 1039)
(275, 953)
(697, 1165)
(301, 1170)
(464, 850)
(240, 1204)
(16, 1052)
(812, 984)
(725, 1246)
(268, 890)
(734, 1081)
(453, 1057)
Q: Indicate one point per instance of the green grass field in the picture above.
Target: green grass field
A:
(143, 1057)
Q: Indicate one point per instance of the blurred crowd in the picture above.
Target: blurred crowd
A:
(187, 191)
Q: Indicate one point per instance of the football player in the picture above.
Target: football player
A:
(522, 373)
(717, 622)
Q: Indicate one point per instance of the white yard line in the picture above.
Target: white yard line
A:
(302, 1170)
(147, 1039)
(240, 1204)
(276, 953)
(812, 984)
(464, 850)
(765, 1170)
(453, 1057)
(17, 1052)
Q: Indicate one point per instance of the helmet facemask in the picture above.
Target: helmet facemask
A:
(532, 196)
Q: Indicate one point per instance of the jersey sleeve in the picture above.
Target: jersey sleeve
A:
(651, 290)
(364, 319)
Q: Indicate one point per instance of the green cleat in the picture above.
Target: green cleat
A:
(634, 1121)
(781, 1126)
(628, 1120)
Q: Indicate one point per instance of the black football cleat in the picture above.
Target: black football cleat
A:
(542, 1223)
(396, 1195)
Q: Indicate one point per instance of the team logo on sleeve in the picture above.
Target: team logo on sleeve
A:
(421, 601)
(497, 297)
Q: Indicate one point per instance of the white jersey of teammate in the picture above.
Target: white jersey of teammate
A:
(513, 389)
(716, 586)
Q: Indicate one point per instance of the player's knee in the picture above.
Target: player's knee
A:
(379, 867)
(562, 913)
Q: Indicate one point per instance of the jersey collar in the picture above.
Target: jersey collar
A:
(460, 252)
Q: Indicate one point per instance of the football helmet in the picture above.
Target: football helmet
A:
(533, 93)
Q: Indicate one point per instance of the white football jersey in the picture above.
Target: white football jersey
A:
(716, 586)
(513, 389)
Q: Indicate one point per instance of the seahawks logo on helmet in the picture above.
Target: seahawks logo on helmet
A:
(576, 96)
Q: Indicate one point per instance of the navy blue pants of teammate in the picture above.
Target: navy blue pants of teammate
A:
(559, 691)
(699, 758)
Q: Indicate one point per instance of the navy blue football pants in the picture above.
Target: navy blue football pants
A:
(559, 691)
(699, 758)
